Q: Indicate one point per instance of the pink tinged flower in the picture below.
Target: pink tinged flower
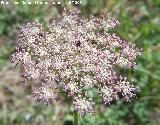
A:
(31, 69)
(83, 106)
(85, 61)
(31, 29)
(107, 93)
(88, 81)
(45, 93)
(123, 62)
(112, 21)
(128, 90)
(71, 87)
(21, 56)
(98, 69)
(67, 73)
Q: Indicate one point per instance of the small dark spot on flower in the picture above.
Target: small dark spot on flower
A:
(78, 43)
(93, 42)
(40, 34)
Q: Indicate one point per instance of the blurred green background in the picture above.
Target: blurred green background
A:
(140, 23)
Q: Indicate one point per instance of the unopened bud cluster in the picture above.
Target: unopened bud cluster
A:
(76, 55)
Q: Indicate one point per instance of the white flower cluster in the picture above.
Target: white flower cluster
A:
(73, 54)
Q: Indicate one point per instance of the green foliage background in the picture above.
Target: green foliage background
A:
(140, 23)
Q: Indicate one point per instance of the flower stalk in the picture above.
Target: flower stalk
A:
(76, 118)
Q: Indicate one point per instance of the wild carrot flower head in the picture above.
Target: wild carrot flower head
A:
(76, 55)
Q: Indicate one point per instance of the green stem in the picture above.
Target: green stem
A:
(76, 118)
